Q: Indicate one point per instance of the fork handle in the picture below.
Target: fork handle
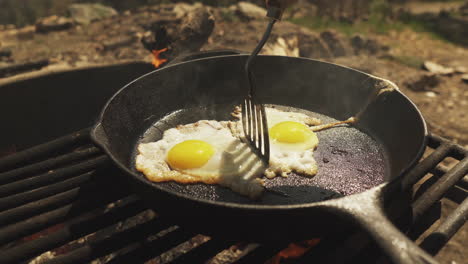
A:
(277, 7)
(248, 64)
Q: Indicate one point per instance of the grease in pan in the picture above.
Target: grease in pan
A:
(212, 152)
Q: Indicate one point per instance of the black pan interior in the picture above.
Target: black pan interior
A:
(387, 138)
(350, 161)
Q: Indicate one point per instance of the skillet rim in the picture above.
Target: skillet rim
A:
(97, 127)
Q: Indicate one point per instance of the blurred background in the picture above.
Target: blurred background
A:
(422, 46)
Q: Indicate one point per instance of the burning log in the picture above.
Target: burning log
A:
(195, 30)
(157, 60)
(179, 36)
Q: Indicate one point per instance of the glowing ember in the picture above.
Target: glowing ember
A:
(157, 61)
(294, 250)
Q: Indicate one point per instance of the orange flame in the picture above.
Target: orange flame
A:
(294, 250)
(157, 61)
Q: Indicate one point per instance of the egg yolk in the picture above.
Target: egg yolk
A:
(190, 154)
(290, 132)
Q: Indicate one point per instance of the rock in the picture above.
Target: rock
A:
(363, 45)
(26, 33)
(312, 46)
(53, 23)
(4, 52)
(283, 46)
(461, 69)
(423, 83)
(435, 68)
(358, 43)
(465, 78)
(182, 9)
(431, 94)
(453, 27)
(87, 13)
(334, 43)
(250, 11)
(119, 41)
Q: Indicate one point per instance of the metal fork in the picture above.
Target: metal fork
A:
(254, 120)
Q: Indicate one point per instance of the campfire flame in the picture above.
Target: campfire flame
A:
(294, 250)
(157, 60)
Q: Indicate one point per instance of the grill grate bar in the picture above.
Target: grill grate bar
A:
(51, 177)
(261, 254)
(325, 251)
(36, 168)
(457, 152)
(437, 191)
(38, 207)
(81, 209)
(425, 166)
(204, 252)
(104, 246)
(149, 250)
(43, 192)
(39, 222)
(456, 193)
(464, 183)
(20, 158)
(441, 170)
(436, 240)
(73, 230)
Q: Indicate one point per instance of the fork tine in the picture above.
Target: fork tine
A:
(244, 117)
(266, 137)
(259, 120)
(253, 115)
(249, 119)
(255, 119)
(255, 127)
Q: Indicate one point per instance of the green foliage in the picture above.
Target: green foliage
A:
(379, 14)
(380, 21)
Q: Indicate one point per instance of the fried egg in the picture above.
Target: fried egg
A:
(292, 142)
(203, 152)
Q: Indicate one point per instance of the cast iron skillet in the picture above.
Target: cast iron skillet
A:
(359, 166)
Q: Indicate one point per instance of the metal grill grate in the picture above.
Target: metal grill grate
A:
(66, 198)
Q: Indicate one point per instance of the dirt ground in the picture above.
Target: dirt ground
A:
(444, 105)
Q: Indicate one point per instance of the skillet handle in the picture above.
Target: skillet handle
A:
(368, 213)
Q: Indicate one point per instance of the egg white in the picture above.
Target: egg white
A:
(233, 164)
(286, 157)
